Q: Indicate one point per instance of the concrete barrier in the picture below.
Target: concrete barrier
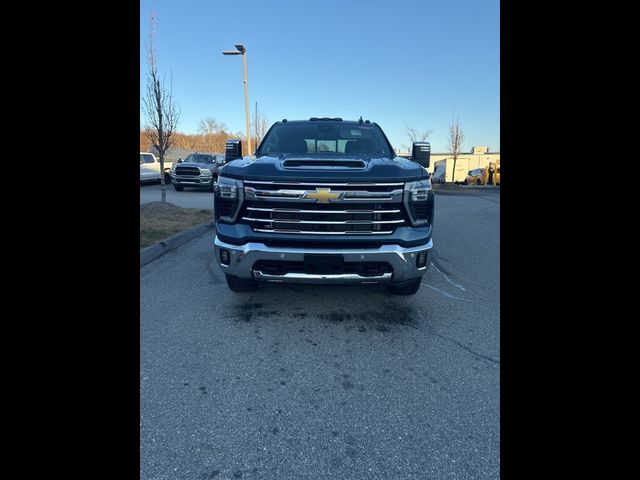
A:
(152, 252)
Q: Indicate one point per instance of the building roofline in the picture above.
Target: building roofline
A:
(450, 154)
(463, 154)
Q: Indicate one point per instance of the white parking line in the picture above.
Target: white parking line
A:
(449, 280)
(448, 295)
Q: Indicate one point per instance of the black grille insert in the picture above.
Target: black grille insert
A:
(188, 171)
(282, 267)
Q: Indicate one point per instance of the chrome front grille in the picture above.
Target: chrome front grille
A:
(323, 208)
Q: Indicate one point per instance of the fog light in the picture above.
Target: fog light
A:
(421, 259)
(225, 257)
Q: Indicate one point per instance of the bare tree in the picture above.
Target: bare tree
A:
(210, 129)
(243, 137)
(260, 126)
(456, 137)
(144, 141)
(184, 141)
(161, 110)
(210, 126)
(416, 136)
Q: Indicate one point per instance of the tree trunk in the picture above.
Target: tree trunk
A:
(163, 191)
(453, 174)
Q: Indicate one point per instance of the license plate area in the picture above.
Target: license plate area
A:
(323, 264)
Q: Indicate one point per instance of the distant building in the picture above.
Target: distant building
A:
(480, 150)
(478, 157)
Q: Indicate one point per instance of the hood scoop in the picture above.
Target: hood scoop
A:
(324, 164)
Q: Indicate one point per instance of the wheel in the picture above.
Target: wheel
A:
(178, 189)
(240, 285)
(410, 289)
(479, 182)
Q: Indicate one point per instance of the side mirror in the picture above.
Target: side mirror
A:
(179, 160)
(421, 153)
(233, 149)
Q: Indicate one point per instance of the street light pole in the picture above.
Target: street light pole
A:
(246, 100)
(241, 50)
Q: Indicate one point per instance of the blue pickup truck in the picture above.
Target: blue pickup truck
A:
(325, 201)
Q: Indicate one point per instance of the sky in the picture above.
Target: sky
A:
(399, 63)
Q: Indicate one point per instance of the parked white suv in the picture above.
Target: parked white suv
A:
(150, 168)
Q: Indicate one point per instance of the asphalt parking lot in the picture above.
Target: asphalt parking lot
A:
(188, 198)
(308, 382)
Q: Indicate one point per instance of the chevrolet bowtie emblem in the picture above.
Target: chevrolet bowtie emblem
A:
(323, 195)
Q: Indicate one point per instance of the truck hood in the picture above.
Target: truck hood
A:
(281, 169)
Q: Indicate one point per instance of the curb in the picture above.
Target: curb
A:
(461, 189)
(480, 187)
(152, 252)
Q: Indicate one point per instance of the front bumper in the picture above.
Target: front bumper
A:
(192, 181)
(402, 261)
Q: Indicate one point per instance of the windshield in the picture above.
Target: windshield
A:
(200, 158)
(325, 138)
(146, 158)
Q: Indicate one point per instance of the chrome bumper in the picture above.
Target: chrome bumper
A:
(243, 257)
(188, 180)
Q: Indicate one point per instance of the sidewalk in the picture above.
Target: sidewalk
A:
(444, 188)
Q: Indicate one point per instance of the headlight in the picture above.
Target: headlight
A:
(419, 190)
(228, 199)
(205, 173)
(418, 198)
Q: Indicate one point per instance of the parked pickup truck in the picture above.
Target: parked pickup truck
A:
(199, 170)
(150, 168)
(325, 201)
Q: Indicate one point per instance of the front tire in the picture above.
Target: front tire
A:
(178, 189)
(410, 289)
(240, 285)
